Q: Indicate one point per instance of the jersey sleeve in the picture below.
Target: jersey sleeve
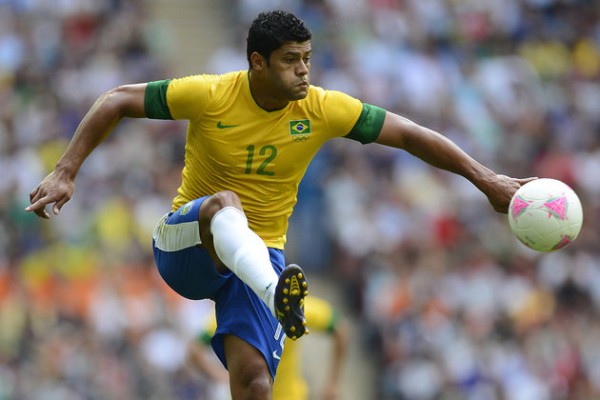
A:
(351, 118)
(155, 100)
(341, 110)
(369, 124)
(182, 98)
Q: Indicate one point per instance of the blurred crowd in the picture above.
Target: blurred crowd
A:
(452, 307)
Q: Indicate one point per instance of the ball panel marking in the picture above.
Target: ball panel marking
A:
(557, 207)
(519, 206)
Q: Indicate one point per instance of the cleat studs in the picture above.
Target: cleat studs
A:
(290, 302)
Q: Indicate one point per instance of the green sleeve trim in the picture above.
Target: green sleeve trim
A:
(369, 124)
(204, 338)
(333, 323)
(155, 100)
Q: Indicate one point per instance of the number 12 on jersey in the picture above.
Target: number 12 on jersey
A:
(267, 152)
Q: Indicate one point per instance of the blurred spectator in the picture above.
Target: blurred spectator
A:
(454, 307)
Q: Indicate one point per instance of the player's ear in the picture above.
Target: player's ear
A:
(258, 62)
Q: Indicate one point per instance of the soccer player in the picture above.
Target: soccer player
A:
(251, 136)
(290, 383)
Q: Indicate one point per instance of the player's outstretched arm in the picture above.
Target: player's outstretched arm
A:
(439, 151)
(58, 187)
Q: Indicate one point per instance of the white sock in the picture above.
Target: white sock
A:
(244, 253)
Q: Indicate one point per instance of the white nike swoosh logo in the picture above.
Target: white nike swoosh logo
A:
(275, 355)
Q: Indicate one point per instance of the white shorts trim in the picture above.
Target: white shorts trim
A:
(176, 237)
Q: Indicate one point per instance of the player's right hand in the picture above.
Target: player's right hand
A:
(54, 189)
(501, 189)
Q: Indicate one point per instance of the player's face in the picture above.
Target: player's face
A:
(288, 70)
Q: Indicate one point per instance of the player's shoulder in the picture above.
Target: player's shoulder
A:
(328, 97)
(337, 109)
(209, 79)
(207, 89)
(319, 92)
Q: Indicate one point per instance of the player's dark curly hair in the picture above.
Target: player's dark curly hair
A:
(272, 29)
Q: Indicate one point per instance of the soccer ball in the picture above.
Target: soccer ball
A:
(545, 215)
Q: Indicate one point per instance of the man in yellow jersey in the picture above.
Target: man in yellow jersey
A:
(290, 383)
(251, 136)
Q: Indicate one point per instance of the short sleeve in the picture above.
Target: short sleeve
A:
(181, 98)
(155, 100)
(369, 124)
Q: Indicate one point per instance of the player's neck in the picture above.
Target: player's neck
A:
(263, 98)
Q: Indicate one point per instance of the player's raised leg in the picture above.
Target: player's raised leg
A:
(225, 233)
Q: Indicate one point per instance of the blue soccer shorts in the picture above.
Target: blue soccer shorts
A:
(188, 269)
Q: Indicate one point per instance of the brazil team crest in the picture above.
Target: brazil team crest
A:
(299, 129)
(186, 208)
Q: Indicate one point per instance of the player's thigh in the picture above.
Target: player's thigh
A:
(241, 313)
(182, 262)
(246, 365)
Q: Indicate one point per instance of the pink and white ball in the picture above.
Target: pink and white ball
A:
(545, 215)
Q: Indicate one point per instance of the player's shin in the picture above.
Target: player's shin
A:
(244, 253)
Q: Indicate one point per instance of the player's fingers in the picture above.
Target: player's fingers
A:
(39, 205)
(527, 180)
(39, 211)
(59, 204)
(42, 213)
(34, 195)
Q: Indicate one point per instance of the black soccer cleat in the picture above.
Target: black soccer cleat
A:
(289, 301)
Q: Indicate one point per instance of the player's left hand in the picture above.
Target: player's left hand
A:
(501, 190)
(54, 188)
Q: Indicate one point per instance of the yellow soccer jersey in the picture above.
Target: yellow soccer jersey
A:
(233, 144)
(289, 380)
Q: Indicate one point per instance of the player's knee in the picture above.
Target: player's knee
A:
(215, 203)
(220, 200)
(227, 198)
(259, 388)
(255, 382)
